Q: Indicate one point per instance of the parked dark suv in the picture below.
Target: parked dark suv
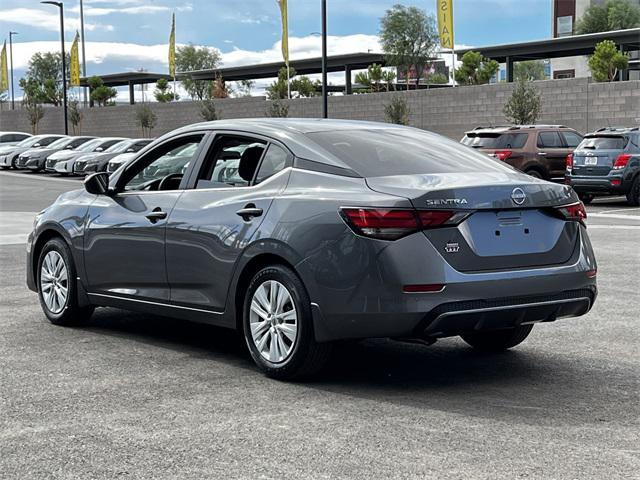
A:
(538, 150)
(607, 162)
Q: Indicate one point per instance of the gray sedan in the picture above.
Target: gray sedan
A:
(300, 233)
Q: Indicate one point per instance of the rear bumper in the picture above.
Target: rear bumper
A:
(601, 185)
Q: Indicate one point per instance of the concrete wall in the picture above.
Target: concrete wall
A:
(578, 103)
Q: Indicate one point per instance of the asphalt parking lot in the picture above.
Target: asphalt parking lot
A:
(138, 396)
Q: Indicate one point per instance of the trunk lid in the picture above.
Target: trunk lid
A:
(512, 224)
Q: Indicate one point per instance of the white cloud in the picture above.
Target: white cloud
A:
(46, 19)
(142, 9)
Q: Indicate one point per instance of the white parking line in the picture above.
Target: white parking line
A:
(616, 216)
(622, 210)
(46, 178)
(613, 227)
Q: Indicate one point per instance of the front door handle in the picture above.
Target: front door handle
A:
(156, 215)
(542, 154)
(249, 211)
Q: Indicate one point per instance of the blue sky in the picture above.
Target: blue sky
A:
(131, 34)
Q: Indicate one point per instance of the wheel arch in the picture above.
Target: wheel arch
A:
(44, 236)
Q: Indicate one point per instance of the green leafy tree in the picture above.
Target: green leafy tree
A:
(278, 89)
(163, 92)
(278, 109)
(475, 69)
(529, 70)
(300, 86)
(436, 79)
(606, 61)
(208, 110)
(244, 87)
(376, 79)
(397, 110)
(190, 58)
(523, 107)
(613, 15)
(146, 119)
(75, 116)
(408, 37)
(303, 86)
(44, 77)
(100, 93)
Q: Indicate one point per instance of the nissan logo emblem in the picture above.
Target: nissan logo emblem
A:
(518, 196)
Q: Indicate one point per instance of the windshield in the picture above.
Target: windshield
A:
(61, 143)
(376, 153)
(28, 142)
(89, 146)
(119, 147)
(608, 142)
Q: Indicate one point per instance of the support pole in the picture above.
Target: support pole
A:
(325, 113)
(64, 70)
(132, 96)
(84, 56)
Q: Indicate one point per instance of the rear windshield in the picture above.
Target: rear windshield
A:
(603, 143)
(379, 153)
(495, 140)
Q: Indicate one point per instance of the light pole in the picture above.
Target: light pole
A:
(11, 34)
(64, 63)
(325, 113)
(84, 57)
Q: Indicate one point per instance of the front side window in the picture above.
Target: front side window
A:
(45, 142)
(163, 167)
(232, 161)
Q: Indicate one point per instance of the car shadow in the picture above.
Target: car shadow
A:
(528, 384)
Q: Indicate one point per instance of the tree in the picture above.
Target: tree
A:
(146, 119)
(376, 79)
(436, 79)
(613, 15)
(44, 77)
(523, 107)
(278, 89)
(408, 37)
(75, 117)
(190, 58)
(220, 88)
(163, 92)
(35, 112)
(529, 70)
(475, 69)
(100, 93)
(606, 61)
(278, 109)
(303, 86)
(244, 87)
(208, 110)
(397, 110)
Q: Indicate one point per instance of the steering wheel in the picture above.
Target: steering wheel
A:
(166, 180)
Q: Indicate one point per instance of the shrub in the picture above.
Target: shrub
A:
(397, 110)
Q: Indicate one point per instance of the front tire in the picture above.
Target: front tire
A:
(278, 326)
(57, 286)
(633, 197)
(532, 172)
(498, 340)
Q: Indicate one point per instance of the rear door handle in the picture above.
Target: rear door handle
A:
(542, 154)
(156, 215)
(249, 212)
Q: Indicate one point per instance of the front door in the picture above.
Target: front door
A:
(125, 231)
(215, 220)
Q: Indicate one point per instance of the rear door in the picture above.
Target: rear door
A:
(219, 215)
(552, 153)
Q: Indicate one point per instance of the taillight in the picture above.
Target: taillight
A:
(574, 212)
(569, 161)
(391, 224)
(503, 155)
(621, 161)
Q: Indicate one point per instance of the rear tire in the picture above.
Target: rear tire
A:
(499, 340)
(278, 325)
(586, 198)
(57, 286)
(633, 197)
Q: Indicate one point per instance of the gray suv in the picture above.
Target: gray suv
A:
(607, 162)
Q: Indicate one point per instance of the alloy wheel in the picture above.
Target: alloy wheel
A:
(54, 282)
(273, 320)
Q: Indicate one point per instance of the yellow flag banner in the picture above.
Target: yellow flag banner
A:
(74, 68)
(4, 71)
(285, 30)
(172, 47)
(445, 23)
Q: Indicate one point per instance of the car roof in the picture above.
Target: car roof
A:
(15, 133)
(514, 128)
(615, 130)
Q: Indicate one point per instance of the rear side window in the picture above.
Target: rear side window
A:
(549, 140)
(513, 140)
(379, 152)
(572, 139)
(274, 160)
(608, 142)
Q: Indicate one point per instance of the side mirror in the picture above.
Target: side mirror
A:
(99, 149)
(97, 183)
(36, 145)
(69, 147)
